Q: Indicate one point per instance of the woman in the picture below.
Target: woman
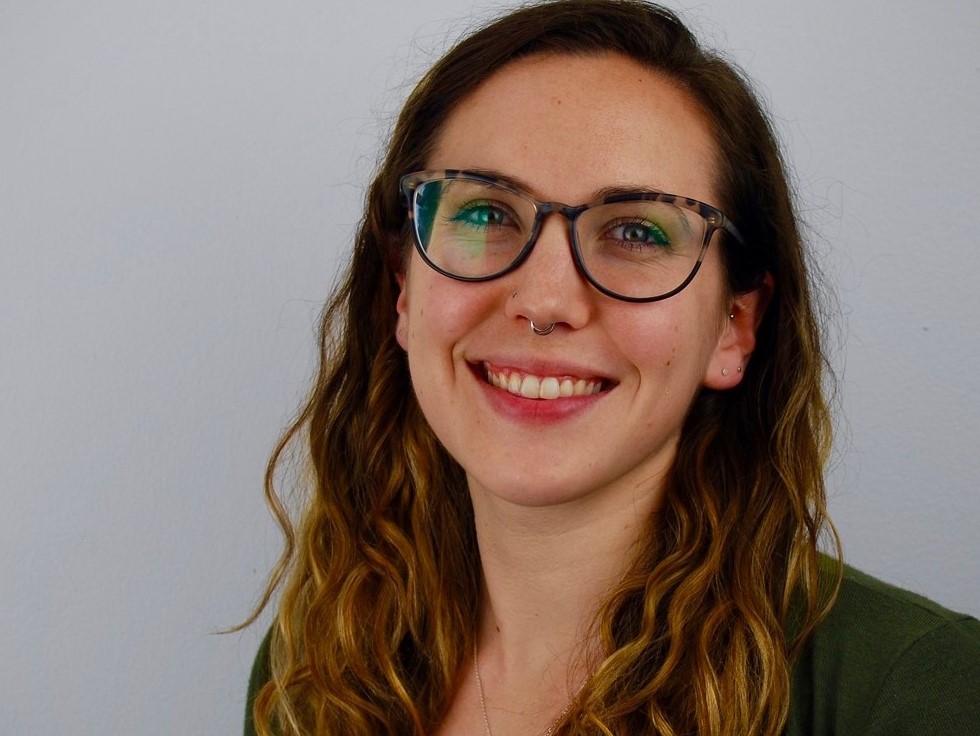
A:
(568, 434)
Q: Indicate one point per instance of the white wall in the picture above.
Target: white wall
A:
(177, 183)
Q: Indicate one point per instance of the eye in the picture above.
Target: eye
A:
(481, 215)
(634, 234)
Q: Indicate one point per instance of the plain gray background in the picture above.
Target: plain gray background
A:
(178, 181)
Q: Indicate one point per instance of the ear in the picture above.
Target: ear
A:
(737, 339)
(401, 307)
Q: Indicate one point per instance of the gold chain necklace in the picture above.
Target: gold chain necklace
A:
(483, 700)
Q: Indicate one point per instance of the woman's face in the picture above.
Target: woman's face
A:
(567, 127)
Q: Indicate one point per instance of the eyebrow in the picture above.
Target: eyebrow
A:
(596, 195)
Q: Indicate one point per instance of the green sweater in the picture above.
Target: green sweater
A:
(885, 662)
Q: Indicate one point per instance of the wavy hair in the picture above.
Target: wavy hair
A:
(380, 581)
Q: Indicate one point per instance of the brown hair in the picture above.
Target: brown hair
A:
(381, 580)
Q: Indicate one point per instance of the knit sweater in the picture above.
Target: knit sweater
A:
(885, 662)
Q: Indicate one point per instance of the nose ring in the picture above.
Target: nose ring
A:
(541, 330)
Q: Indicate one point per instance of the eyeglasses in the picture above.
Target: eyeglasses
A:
(637, 246)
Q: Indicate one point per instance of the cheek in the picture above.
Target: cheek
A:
(669, 343)
(439, 314)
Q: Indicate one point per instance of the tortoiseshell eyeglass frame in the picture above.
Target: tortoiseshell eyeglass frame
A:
(714, 220)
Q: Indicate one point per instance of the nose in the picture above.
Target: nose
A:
(548, 287)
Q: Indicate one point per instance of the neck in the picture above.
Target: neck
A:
(546, 571)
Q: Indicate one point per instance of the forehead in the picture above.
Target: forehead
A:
(570, 125)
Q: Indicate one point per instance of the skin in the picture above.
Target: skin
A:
(561, 489)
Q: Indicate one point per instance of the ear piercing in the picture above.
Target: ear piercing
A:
(725, 371)
(541, 330)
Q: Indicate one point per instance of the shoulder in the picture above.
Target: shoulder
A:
(888, 661)
(261, 674)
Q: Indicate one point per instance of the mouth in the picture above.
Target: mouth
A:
(543, 387)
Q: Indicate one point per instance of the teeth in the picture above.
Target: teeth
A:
(531, 387)
(549, 388)
(542, 387)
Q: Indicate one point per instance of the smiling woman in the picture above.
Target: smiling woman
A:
(568, 434)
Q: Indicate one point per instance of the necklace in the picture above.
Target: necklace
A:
(483, 700)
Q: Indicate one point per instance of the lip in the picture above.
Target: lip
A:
(525, 410)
